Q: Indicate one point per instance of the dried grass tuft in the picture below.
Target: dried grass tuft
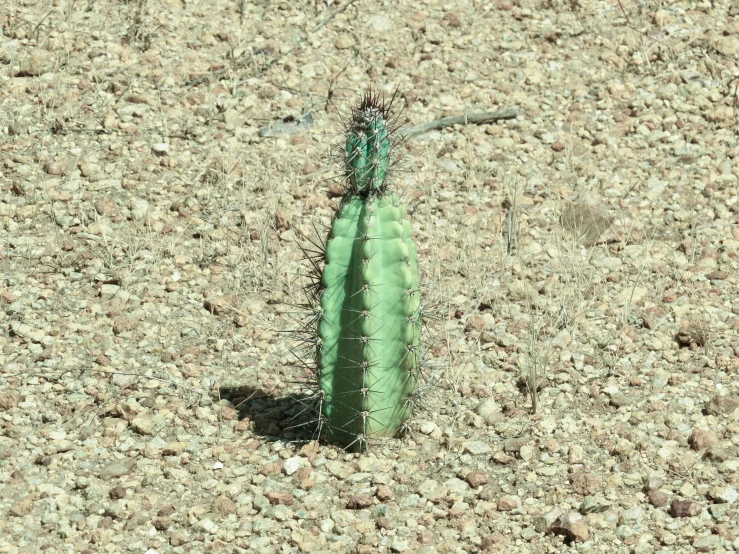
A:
(587, 217)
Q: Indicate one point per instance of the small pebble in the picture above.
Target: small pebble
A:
(160, 148)
(359, 502)
(477, 479)
(117, 468)
(293, 464)
(685, 508)
(508, 503)
(55, 168)
(657, 498)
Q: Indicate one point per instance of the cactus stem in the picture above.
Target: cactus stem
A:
(369, 319)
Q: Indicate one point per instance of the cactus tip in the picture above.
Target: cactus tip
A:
(375, 102)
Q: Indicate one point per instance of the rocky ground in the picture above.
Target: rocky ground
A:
(580, 265)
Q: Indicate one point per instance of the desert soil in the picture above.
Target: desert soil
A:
(579, 263)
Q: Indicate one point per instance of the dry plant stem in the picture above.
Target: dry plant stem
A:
(485, 117)
(532, 377)
(512, 222)
(36, 28)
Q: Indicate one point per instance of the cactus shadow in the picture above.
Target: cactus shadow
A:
(273, 416)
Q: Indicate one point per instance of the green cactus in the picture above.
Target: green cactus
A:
(368, 147)
(367, 300)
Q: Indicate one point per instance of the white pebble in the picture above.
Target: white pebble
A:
(293, 464)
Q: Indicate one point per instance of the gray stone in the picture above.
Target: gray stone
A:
(489, 410)
(707, 543)
(726, 495)
(456, 486)
(160, 148)
(38, 63)
(148, 424)
(344, 42)
(339, 470)
(477, 448)
(729, 466)
(719, 511)
(117, 469)
(428, 427)
(653, 483)
(527, 452)
(544, 522)
(139, 208)
(259, 542)
(399, 545)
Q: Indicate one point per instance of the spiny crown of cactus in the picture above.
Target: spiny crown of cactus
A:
(370, 144)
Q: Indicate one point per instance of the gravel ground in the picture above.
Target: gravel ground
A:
(580, 264)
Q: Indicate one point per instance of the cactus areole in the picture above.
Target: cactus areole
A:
(368, 352)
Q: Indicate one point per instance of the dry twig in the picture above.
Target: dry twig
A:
(485, 117)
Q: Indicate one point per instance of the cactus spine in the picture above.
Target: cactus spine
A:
(369, 320)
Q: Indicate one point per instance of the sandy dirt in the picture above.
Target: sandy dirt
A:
(159, 162)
